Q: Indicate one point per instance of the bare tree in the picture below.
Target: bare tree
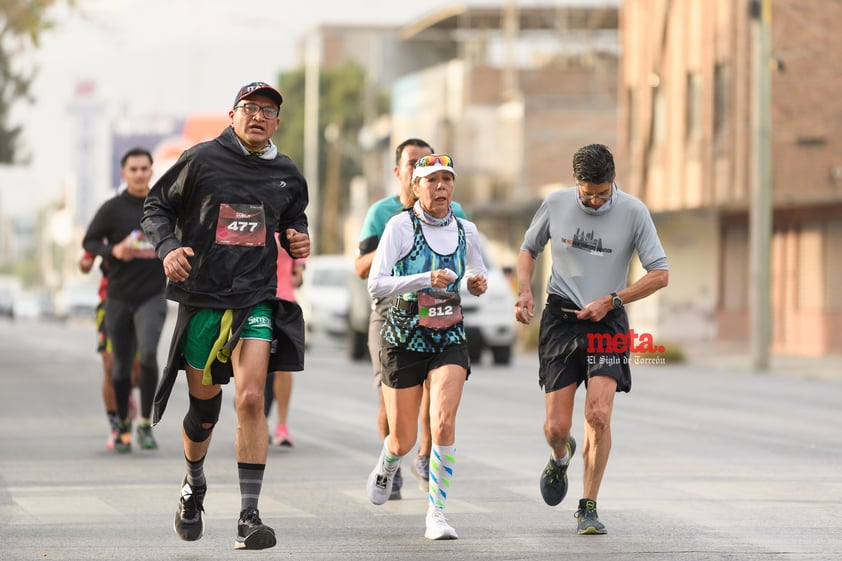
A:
(22, 23)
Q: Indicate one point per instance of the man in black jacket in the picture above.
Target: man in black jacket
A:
(135, 307)
(212, 218)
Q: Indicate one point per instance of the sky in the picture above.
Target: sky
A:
(167, 58)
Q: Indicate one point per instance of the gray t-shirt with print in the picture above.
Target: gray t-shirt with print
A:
(592, 252)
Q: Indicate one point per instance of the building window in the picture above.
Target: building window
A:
(694, 104)
(810, 286)
(631, 116)
(721, 83)
(659, 117)
(832, 265)
(735, 274)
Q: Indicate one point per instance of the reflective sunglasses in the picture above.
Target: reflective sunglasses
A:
(434, 159)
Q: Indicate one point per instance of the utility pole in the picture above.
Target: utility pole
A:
(511, 28)
(760, 209)
(312, 61)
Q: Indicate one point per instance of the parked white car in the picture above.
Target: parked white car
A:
(323, 296)
(489, 319)
(9, 289)
(77, 299)
(7, 302)
(359, 312)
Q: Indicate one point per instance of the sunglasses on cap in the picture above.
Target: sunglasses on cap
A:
(434, 159)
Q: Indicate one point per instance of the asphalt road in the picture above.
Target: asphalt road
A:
(706, 465)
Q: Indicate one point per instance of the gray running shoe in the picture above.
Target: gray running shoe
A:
(397, 483)
(421, 470)
(589, 523)
(252, 533)
(188, 524)
(554, 477)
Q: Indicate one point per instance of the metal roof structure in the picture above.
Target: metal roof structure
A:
(444, 23)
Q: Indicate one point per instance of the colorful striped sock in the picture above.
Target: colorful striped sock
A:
(391, 461)
(442, 459)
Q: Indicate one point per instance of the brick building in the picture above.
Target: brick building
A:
(686, 97)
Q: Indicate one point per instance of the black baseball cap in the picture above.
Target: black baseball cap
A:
(259, 87)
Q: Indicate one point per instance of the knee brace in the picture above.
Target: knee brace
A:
(202, 412)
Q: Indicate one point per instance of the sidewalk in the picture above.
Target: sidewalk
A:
(718, 356)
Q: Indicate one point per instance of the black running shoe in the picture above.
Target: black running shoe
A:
(588, 520)
(188, 524)
(554, 478)
(252, 533)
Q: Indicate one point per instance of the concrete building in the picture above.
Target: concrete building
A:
(686, 97)
(384, 56)
(510, 92)
(525, 88)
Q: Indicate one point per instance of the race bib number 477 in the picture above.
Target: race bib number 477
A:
(241, 224)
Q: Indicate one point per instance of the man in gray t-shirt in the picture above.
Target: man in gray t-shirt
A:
(584, 335)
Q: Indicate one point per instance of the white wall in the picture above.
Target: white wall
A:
(685, 311)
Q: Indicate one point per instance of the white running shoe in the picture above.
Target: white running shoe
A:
(437, 526)
(380, 481)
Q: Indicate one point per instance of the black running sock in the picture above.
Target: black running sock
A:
(196, 472)
(251, 481)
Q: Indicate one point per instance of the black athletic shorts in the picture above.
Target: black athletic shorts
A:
(571, 350)
(406, 369)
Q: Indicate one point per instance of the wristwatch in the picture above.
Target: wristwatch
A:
(616, 301)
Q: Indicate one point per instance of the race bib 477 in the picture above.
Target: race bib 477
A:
(241, 224)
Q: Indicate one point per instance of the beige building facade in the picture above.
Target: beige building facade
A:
(685, 104)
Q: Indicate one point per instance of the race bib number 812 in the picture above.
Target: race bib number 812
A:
(439, 310)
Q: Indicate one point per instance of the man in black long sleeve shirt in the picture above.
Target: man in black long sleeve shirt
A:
(213, 218)
(135, 307)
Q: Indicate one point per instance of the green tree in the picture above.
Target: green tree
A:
(342, 101)
(22, 23)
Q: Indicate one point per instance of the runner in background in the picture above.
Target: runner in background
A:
(135, 307)
(103, 347)
(278, 387)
